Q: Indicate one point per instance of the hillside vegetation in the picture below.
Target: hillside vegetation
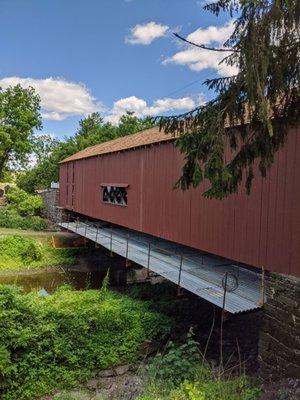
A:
(48, 343)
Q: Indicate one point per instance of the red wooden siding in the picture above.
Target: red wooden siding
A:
(260, 229)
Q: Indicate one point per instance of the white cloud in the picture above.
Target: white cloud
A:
(142, 109)
(59, 98)
(145, 34)
(212, 34)
(199, 59)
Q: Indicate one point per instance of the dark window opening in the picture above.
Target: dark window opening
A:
(115, 195)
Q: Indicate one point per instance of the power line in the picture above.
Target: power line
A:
(183, 87)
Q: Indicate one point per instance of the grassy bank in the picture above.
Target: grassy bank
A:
(21, 252)
(48, 343)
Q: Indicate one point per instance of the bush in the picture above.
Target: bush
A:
(19, 252)
(25, 204)
(10, 218)
(51, 342)
(177, 364)
(17, 246)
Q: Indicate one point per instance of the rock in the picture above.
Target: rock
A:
(122, 369)
(92, 384)
(106, 373)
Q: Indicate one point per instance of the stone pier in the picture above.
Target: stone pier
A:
(279, 344)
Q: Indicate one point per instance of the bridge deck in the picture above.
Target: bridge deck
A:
(199, 273)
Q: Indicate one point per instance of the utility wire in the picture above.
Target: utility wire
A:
(184, 87)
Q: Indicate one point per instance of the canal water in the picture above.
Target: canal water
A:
(91, 267)
(51, 279)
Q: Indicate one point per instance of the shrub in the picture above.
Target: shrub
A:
(177, 364)
(24, 252)
(17, 246)
(51, 342)
(25, 204)
(9, 218)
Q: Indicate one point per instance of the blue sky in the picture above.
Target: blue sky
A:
(108, 56)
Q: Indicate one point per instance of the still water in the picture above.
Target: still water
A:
(53, 278)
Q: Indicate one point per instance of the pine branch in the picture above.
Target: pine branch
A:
(202, 46)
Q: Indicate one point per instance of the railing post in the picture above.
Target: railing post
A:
(127, 249)
(96, 239)
(77, 222)
(179, 275)
(222, 321)
(262, 301)
(111, 243)
(148, 261)
(68, 221)
(85, 228)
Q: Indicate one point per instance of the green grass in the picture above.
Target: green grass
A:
(241, 388)
(21, 252)
(53, 342)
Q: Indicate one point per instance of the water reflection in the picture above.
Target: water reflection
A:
(53, 278)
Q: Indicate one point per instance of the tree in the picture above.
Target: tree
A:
(19, 116)
(253, 110)
(42, 146)
(129, 124)
(92, 130)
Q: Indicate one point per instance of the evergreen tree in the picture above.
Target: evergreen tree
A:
(253, 110)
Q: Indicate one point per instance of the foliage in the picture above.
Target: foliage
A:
(22, 211)
(177, 364)
(7, 176)
(24, 203)
(51, 342)
(19, 115)
(179, 374)
(19, 252)
(227, 389)
(92, 130)
(43, 145)
(11, 219)
(253, 110)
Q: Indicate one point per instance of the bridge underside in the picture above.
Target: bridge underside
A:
(215, 279)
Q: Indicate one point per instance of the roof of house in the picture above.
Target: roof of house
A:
(139, 139)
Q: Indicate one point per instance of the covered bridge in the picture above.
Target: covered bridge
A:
(128, 182)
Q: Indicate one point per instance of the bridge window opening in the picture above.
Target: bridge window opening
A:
(115, 195)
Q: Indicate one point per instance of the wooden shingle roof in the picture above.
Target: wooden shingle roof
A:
(139, 139)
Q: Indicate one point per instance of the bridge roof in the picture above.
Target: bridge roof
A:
(139, 139)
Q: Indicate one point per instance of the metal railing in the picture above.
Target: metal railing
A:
(100, 230)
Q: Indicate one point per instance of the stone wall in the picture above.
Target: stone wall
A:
(51, 211)
(279, 345)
